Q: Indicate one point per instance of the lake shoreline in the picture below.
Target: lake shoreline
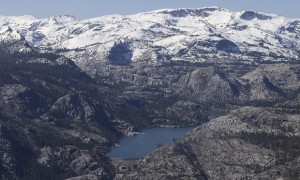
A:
(138, 146)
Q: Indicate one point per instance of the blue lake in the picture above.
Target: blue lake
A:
(139, 146)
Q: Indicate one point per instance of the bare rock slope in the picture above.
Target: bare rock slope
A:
(249, 143)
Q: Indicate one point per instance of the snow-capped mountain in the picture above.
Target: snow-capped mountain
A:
(12, 41)
(170, 34)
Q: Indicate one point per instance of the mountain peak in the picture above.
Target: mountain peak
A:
(183, 12)
(250, 15)
(29, 17)
(59, 19)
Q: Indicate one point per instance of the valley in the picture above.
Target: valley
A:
(71, 89)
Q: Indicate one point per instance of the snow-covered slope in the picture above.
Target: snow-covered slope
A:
(168, 34)
(12, 41)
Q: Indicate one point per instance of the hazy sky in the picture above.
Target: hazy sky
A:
(83, 9)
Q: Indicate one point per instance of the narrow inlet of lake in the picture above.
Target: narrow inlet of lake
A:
(138, 146)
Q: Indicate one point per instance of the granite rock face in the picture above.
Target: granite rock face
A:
(194, 116)
(50, 127)
(249, 143)
(77, 107)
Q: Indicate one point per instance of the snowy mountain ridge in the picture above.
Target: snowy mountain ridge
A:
(169, 34)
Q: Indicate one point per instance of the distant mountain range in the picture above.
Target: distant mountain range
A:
(195, 35)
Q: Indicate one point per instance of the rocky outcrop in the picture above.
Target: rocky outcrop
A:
(81, 163)
(250, 142)
(273, 81)
(125, 128)
(8, 161)
(79, 108)
(50, 127)
(22, 100)
(195, 114)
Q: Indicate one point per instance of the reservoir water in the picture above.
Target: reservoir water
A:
(139, 146)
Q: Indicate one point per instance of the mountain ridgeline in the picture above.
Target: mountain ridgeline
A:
(69, 90)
